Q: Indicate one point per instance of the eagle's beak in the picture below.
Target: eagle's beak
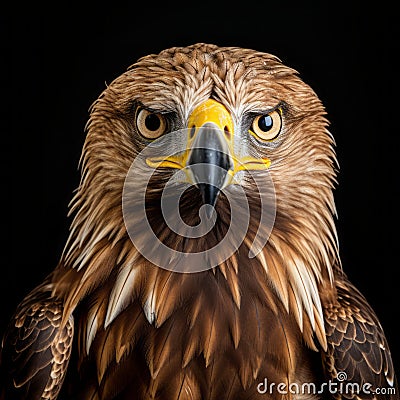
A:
(209, 160)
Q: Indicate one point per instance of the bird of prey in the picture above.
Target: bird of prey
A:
(139, 309)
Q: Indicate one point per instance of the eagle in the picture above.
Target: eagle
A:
(202, 260)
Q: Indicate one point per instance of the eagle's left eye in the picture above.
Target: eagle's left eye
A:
(150, 125)
(267, 127)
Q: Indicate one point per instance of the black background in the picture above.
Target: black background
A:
(58, 61)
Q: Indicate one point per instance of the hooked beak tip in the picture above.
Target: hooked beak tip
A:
(209, 194)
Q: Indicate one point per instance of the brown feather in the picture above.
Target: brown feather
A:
(37, 348)
(356, 343)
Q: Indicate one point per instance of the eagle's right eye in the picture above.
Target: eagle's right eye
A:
(267, 127)
(150, 125)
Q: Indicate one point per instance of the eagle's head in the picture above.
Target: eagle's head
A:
(196, 144)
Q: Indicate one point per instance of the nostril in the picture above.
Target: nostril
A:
(227, 132)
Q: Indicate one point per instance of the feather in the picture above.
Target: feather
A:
(233, 284)
(171, 289)
(93, 324)
(210, 342)
(159, 350)
(235, 328)
(277, 275)
(149, 308)
(121, 293)
(188, 389)
(104, 354)
(37, 347)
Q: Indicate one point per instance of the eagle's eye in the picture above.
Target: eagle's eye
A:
(267, 127)
(150, 125)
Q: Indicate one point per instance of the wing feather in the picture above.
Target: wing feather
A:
(357, 345)
(35, 349)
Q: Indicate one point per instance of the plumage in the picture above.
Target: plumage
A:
(120, 317)
(38, 348)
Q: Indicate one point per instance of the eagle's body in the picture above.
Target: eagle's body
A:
(110, 324)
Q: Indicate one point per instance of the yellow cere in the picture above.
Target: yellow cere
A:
(211, 111)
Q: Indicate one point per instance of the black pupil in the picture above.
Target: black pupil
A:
(265, 123)
(152, 122)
